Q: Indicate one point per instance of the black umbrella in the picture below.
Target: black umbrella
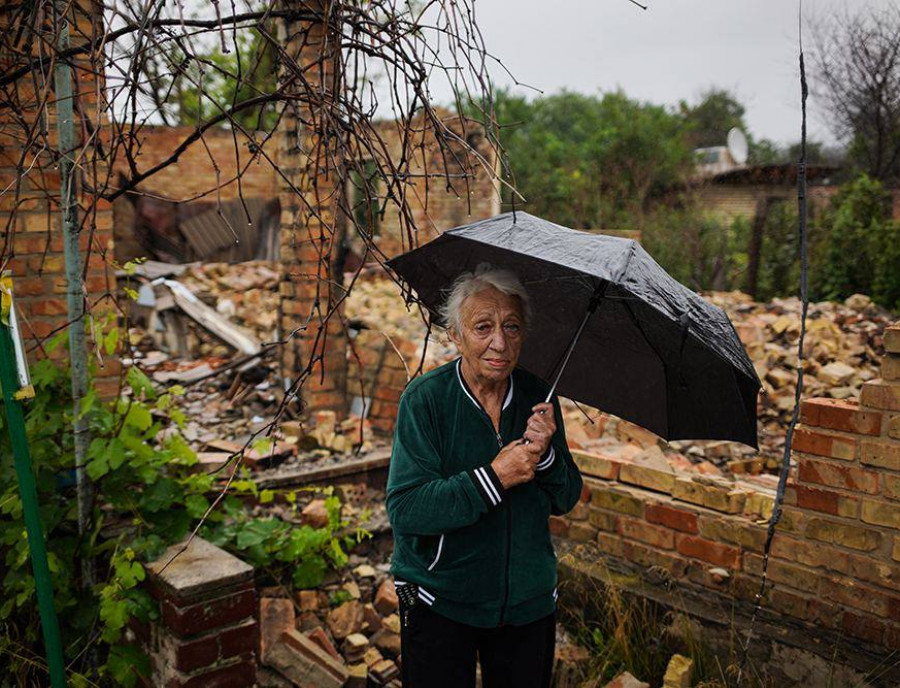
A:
(643, 347)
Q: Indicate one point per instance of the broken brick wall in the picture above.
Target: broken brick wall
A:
(835, 560)
(207, 630)
(30, 217)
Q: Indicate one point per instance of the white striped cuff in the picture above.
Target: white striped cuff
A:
(488, 485)
(546, 461)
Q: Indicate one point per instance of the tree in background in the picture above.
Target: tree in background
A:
(591, 161)
(856, 62)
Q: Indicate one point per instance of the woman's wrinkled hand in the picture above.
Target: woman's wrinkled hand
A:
(515, 464)
(540, 429)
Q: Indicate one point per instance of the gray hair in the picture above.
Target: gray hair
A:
(470, 283)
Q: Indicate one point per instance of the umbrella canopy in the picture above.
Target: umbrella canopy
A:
(653, 352)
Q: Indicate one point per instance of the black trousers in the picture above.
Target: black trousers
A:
(439, 653)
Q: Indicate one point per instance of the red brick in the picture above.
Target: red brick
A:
(824, 444)
(641, 530)
(238, 675)
(892, 637)
(669, 516)
(852, 595)
(836, 475)
(837, 414)
(193, 654)
(713, 552)
(881, 395)
(559, 526)
(239, 640)
(863, 627)
(826, 501)
(214, 613)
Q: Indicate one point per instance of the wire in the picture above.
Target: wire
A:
(798, 390)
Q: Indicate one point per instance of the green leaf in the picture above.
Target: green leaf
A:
(196, 505)
(115, 453)
(111, 340)
(140, 383)
(97, 468)
(139, 417)
(256, 532)
(266, 496)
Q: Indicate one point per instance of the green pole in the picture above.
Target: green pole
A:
(43, 583)
(65, 124)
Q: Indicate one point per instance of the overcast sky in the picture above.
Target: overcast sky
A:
(673, 51)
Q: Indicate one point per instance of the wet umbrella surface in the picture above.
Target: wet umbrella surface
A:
(652, 352)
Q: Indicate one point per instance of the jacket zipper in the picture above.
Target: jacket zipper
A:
(487, 419)
(508, 528)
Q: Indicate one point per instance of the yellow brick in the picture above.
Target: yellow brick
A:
(651, 478)
(617, 501)
(896, 553)
(715, 497)
(881, 513)
(881, 454)
(834, 532)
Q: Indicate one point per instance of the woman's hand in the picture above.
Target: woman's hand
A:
(540, 429)
(515, 464)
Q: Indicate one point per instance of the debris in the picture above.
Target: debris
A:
(679, 672)
(626, 680)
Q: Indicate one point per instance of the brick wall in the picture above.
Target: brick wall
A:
(207, 633)
(731, 201)
(835, 561)
(31, 239)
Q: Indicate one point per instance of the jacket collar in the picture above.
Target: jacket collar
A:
(468, 392)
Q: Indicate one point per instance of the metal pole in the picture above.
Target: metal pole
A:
(42, 580)
(62, 78)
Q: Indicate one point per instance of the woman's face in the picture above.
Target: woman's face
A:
(491, 333)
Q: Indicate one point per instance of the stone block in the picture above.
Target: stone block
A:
(384, 671)
(679, 672)
(388, 642)
(671, 517)
(305, 663)
(881, 454)
(346, 619)
(836, 475)
(840, 414)
(892, 339)
(320, 638)
(879, 394)
(881, 513)
(614, 500)
(825, 501)
(596, 465)
(648, 533)
(603, 520)
(707, 550)
(843, 534)
(188, 571)
(646, 476)
(733, 531)
(863, 627)
(204, 616)
(626, 680)
(713, 496)
(581, 532)
(276, 615)
(893, 429)
(815, 441)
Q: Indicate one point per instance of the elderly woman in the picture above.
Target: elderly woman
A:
(479, 463)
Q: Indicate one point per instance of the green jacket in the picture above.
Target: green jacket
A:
(480, 555)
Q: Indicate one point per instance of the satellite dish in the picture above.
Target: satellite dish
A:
(737, 145)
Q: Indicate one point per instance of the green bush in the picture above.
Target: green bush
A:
(863, 245)
(146, 498)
